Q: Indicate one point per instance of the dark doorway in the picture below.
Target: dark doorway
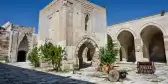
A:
(126, 40)
(21, 56)
(89, 56)
(154, 47)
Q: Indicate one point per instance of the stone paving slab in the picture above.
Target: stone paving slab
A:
(85, 76)
(16, 75)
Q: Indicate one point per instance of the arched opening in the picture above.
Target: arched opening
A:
(22, 50)
(127, 50)
(85, 54)
(86, 22)
(21, 56)
(153, 44)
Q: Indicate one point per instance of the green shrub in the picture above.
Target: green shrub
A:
(52, 53)
(34, 58)
(108, 53)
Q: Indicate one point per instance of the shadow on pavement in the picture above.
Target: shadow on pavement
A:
(16, 75)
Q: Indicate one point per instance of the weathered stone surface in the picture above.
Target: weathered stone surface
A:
(147, 31)
(17, 75)
(15, 38)
(72, 24)
(84, 76)
(4, 44)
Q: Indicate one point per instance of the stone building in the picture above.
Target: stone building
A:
(16, 42)
(143, 39)
(4, 43)
(77, 25)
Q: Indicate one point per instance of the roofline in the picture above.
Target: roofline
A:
(49, 5)
(140, 18)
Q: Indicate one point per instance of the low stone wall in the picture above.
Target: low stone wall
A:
(46, 65)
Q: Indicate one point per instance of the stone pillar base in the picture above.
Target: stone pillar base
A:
(67, 65)
(139, 56)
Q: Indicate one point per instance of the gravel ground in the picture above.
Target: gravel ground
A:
(13, 74)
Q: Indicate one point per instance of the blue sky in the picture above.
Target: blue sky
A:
(25, 12)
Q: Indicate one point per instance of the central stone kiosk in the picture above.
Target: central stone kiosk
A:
(78, 26)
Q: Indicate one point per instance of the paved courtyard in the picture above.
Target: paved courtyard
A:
(14, 74)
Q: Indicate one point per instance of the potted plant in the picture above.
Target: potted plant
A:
(108, 55)
(106, 59)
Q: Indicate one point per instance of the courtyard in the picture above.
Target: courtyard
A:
(67, 40)
(23, 73)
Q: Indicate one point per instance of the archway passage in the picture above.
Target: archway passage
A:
(22, 50)
(153, 47)
(127, 50)
(86, 53)
(21, 56)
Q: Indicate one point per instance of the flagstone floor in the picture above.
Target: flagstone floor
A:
(23, 73)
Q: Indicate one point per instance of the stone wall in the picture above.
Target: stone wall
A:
(68, 22)
(136, 28)
(18, 35)
(64, 22)
(4, 44)
(14, 42)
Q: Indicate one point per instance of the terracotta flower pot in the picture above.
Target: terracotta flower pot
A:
(105, 68)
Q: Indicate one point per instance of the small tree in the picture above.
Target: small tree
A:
(56, 57)
(113, 52)
(108, 53)
(52, 54)
(33, 57)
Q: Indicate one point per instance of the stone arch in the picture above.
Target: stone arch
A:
(91, 47)
(115, 40)
(112, 37)
(127, 29)
(85, 37)
(154, 24)
(23, 49)
(153, 43)
(127, 46)
(29, 37)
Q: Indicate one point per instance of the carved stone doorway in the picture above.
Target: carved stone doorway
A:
(86, 53)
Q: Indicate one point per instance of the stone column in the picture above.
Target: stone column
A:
(138, 50)
(124, 54)
(166, 46)
(64, 26)
(14, 46)
(67, 64)
(10, 44)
